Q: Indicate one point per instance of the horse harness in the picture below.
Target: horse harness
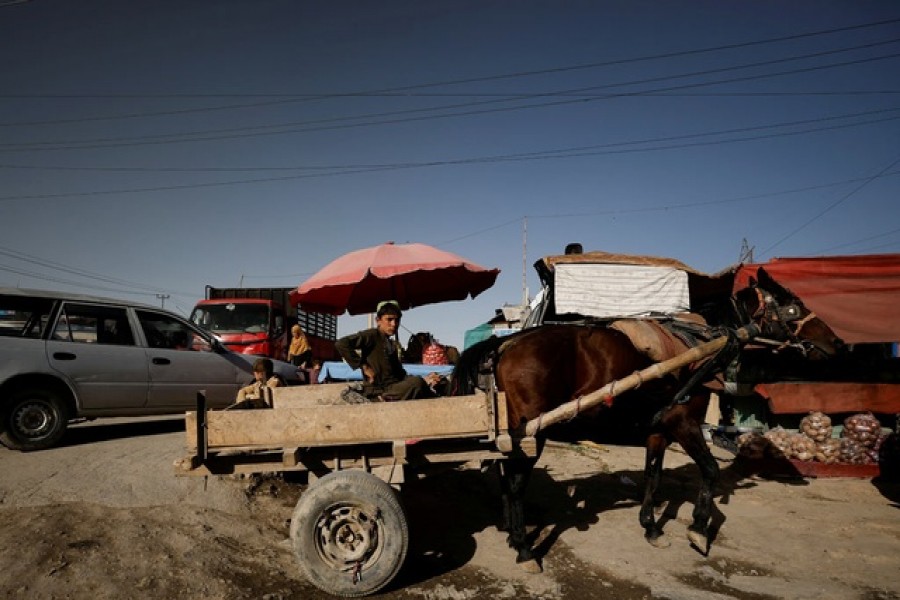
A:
(769, 313)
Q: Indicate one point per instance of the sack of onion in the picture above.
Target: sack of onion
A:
(802, 447)
(816, 426)
(853, 452)
(781, 442)
(862, 428)
(828, 451)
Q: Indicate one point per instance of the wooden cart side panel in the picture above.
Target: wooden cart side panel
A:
(464, 416)
(300, 396)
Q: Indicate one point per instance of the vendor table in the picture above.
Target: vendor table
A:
(341, 371)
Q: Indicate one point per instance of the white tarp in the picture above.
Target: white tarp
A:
(611, 290)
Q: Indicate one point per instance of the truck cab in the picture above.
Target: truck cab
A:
(246, 325)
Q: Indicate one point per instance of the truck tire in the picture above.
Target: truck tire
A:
(33, 419)
(349, 533)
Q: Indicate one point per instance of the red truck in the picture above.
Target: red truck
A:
(258, 321)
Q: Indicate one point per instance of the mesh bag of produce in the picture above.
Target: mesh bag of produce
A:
(828, 451)
(816, 426)
(852, 452)
(781, 442)
(863, 428)
(802, 447)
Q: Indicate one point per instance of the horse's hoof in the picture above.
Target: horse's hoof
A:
(699, 541)
(659, 541)
(531, 566)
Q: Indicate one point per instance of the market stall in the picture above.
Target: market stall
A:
(770, 399)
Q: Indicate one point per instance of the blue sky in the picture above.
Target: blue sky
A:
(156, 147)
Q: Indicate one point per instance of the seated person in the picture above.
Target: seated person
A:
(300, 352)
(377, 353)
(258, 394)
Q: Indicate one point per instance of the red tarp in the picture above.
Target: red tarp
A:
(858, 296)
(830, 397)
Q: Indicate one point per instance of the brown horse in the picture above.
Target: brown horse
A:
(543, 367)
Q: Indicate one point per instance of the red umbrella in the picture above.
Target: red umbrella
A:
(411, 274)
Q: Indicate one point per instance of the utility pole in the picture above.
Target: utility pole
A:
(746, 252)
(525, 261)
(162, 299)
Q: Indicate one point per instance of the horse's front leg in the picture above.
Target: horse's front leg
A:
(698, 532)
(653, 465)
(689, 434)
(514, 475)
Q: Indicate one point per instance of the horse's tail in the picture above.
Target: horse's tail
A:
(470, 365)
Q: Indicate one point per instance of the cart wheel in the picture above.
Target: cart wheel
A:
(349, 533)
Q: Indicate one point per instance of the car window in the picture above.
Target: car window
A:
(93, 324)
(165, 331)
(21, 316)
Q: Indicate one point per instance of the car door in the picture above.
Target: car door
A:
(184, 360)
(94, 347)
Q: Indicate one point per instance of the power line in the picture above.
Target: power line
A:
(52, 279)
(831, 206)
(27, 258)
(555, 153)
(341, 122)
(667, 207)
(546, 155)
(659, 208)
(866, 239)
(409, 88)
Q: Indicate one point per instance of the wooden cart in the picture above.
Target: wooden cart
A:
(348, 530)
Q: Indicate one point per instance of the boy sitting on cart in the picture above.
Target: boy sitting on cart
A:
(259, 393)
(377, 353)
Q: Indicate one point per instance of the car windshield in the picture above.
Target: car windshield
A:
(232, 318)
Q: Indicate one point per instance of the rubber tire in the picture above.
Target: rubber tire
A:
(34, 403)
(352, 489)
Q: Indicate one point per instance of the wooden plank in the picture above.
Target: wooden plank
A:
(800, 397)
(190, 427)
(464, 416)
(805, 468)
(300, 396)
(502, 413)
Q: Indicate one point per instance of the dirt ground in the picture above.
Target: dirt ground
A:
(104, 516)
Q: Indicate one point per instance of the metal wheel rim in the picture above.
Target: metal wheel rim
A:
(348, 536)
(34, 420)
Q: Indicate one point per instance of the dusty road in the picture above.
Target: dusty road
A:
(105, 517)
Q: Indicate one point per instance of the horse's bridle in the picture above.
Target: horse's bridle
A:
(786, 318)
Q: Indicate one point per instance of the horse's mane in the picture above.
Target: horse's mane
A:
(464, 378)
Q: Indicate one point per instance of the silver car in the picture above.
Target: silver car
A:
(68, 356)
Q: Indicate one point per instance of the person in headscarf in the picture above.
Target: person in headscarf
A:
(299, 352)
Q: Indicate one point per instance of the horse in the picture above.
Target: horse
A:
(543, 367)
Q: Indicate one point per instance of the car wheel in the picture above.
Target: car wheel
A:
(349, 533)
(34, 419)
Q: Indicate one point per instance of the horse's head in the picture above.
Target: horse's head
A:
(417, 343)
(783, 320)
